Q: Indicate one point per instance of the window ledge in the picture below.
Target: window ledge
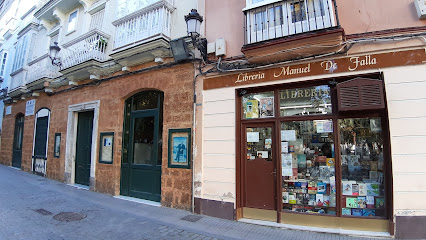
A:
(70, 32)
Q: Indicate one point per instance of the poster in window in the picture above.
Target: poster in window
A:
(267, 107)
(252, 109)
(179, 148)
(106, 147)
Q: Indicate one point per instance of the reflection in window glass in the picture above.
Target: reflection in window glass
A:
(143, 140)
(361, 146)
(72, 21)
(305, 101)
(258, 105)
(308, 167)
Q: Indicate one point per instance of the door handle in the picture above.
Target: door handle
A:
(274, 172)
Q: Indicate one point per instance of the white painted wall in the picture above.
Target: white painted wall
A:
(405, 89)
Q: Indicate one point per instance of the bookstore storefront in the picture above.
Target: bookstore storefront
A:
(308, 143)
(322, 146)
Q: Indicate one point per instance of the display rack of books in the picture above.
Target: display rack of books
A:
(308, 167)
(362, 164)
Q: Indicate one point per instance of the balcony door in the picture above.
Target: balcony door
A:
(308, 15)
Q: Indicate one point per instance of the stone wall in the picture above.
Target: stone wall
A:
(177, 84)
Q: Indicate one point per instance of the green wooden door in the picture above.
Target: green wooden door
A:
(145, 174)
(83, 148)
(17, 141)
(142, 146)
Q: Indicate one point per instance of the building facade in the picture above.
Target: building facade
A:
(100, 111)
(312, 116)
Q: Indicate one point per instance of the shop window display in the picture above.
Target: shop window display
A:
(308, 167)
(361, 147)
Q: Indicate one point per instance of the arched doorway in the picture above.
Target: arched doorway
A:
(142, 146)
(17, 141)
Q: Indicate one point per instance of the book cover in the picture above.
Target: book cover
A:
(356, 212)
(305, 199)
(380, 203)
(347, 188)
(301, 161)
(299, 198)
(373, 175)
(326, 201)
(362, 189)
(322, 159)
(346, 211)
(319, 200)
(285, 197)
(324, 172)
(312, 199)
(332, 200)
(370, 201)
(372, 189)
(292, 198)
(355, 190)
(362, 202)
(284, 147)
(369, 212)
(351, 202)
(312, 187)
(330, 162)
(321, 187)
(333, 185)
(252, 109)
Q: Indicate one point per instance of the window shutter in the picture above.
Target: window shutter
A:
(360, 94)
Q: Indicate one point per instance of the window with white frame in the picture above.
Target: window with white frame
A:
(126, 7)
(72, 21)
(20, 52)
(3, 63)
(268, 19)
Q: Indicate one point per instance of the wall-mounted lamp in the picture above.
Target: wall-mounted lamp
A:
(53, 54)
(193, 23)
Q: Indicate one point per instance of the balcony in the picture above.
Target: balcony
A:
(17, 83)
(286, 25)
(143, 34)
(41, 71)
(84, 54)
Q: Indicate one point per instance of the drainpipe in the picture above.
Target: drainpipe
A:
(193, 140)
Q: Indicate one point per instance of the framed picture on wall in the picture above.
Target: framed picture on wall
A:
(57, 146)
(179, 152)
(106, 149)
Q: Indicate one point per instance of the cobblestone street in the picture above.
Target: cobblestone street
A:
(33, 207)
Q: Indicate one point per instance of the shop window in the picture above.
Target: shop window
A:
(308, 166)
(259, 143)
(258, 105)
(305, 101)
(362, 161)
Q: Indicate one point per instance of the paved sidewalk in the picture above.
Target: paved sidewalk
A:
(33, 207)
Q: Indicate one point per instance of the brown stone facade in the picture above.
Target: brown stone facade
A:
(177, 84)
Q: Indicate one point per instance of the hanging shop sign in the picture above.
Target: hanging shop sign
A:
(328, 66)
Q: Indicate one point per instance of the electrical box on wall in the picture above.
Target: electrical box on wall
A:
(421, 8)
(220, 47)
(211, 47)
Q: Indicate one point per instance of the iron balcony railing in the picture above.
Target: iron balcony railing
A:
(285, 18)
(91, 46)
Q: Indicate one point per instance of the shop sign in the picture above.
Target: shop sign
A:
(8, 110)
(328, 66)
(30, 107)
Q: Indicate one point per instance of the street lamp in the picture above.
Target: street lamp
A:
(53, 54)
(193, 23)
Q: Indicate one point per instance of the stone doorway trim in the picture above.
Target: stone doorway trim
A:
(73, 110)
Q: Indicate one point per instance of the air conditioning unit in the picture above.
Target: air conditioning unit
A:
(421, 8)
